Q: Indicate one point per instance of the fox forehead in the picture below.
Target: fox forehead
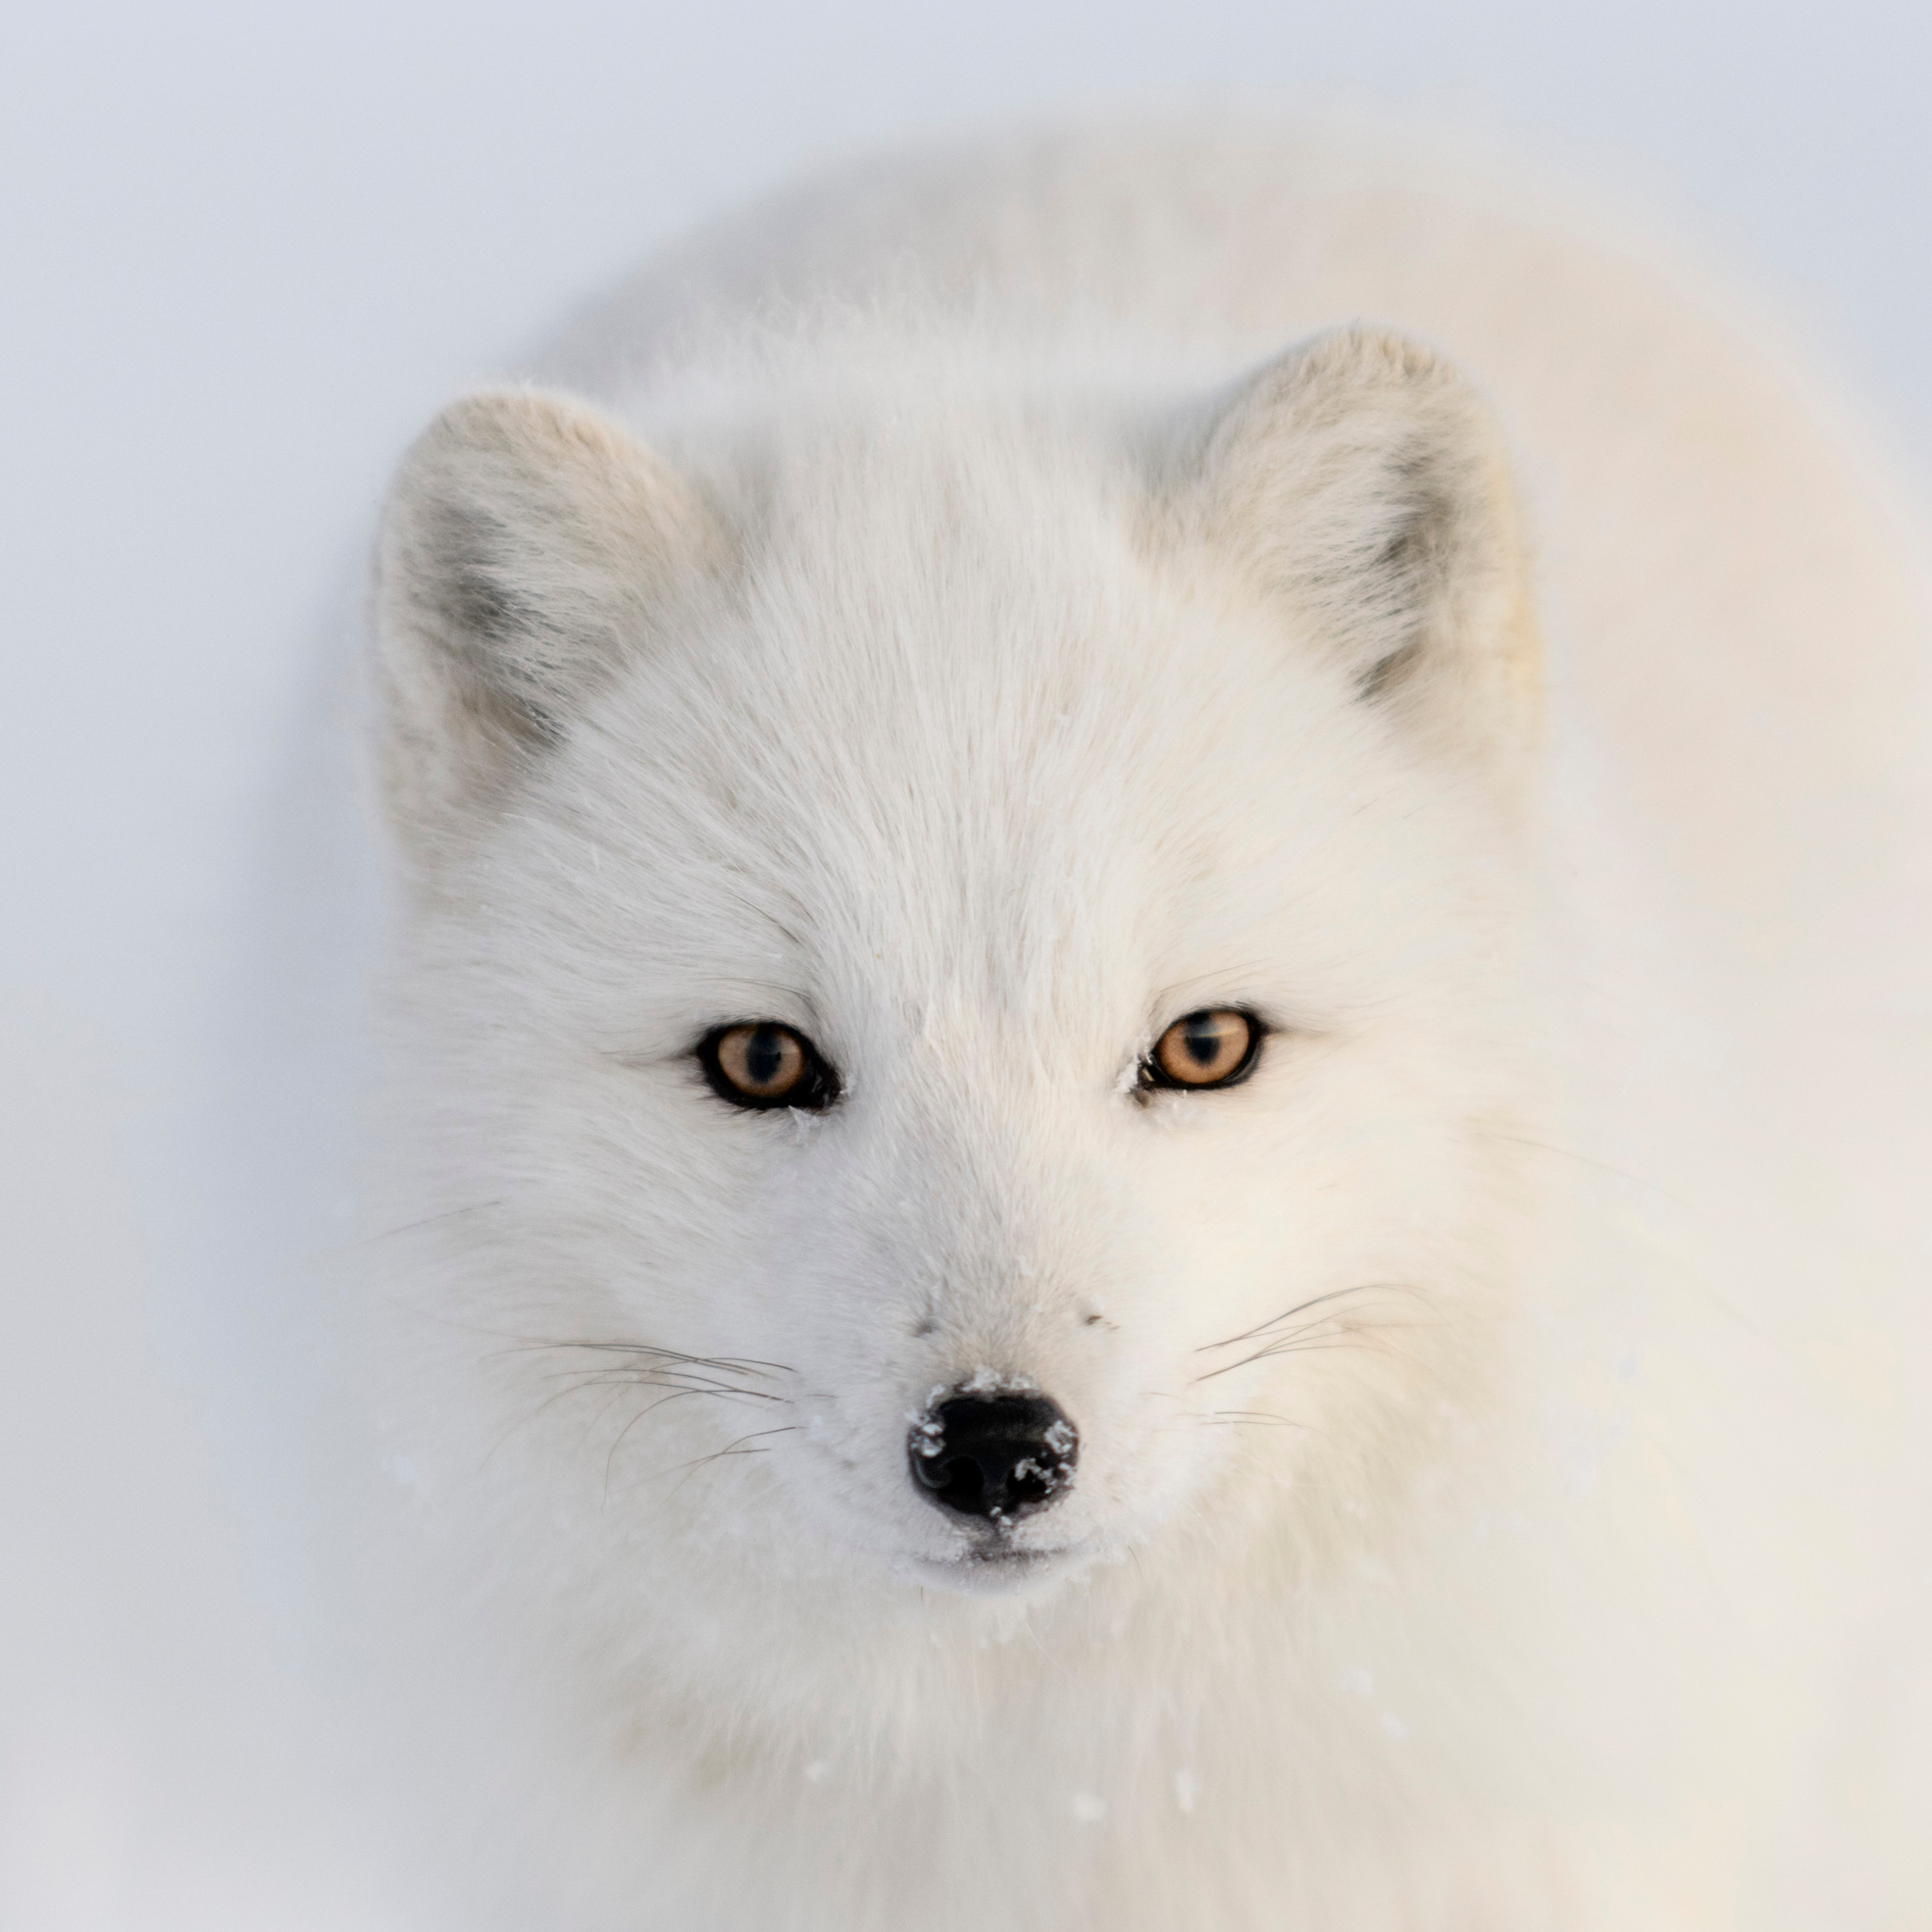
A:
(947, 704)
(992, 763)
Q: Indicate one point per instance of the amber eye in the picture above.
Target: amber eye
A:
(761, 1063)
(1214, 1047)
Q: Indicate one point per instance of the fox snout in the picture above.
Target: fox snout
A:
(997, 1458)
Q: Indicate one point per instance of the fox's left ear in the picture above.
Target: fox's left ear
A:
(1360, 482)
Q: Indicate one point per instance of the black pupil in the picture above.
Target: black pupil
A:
(1203, 1040)
(764, 1056)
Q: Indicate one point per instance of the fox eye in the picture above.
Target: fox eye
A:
(761, 1063)
(1214, 1047)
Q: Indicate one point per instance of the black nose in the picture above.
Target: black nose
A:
(998, 1457)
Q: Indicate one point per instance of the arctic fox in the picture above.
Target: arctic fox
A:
(1161, 1064)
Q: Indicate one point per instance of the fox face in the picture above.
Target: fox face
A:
(967, 962)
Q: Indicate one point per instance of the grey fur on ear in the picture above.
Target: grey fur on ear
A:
(529, 545)
(1361, 481)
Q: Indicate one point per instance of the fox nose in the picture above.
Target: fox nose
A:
(997, 1456)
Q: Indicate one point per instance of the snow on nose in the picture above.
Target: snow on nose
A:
(998, 1458)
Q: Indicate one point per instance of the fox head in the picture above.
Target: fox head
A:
(964, 963)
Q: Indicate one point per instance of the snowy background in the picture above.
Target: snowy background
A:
(246, 251)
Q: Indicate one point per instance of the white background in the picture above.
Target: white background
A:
(246, 251)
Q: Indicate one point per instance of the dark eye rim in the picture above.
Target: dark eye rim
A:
(1154, 1078)
(815, 1090)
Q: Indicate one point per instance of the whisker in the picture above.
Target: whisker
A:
(731, 1449)
(674, 1384)
(746, 1364)
(1587, 1161)
(649, 1408)
(1313, 1302)
(726, 1364)
(662, 1379)
(1365, 1337)
(672, 1392)
(407, 1228)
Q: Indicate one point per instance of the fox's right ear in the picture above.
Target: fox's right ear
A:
(529, 547)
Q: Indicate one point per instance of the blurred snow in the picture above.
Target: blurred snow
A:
(246, 252)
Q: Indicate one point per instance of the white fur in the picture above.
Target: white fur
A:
(978, 673)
